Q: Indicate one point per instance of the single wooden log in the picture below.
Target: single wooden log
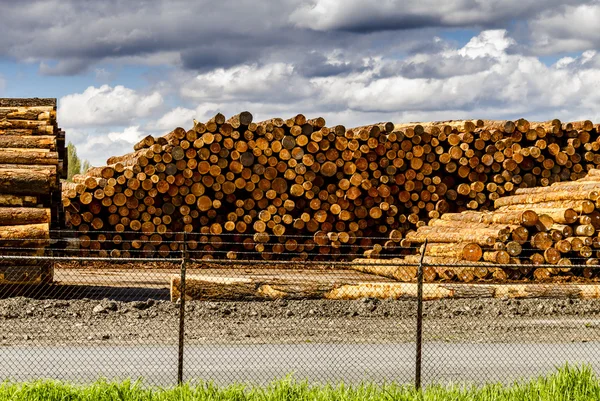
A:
(485, 237)
(16, 200)
(526, 218)
(27, 181)
(28, 156)
(437, 260)
(575, 186)
(580, 206)
(22, 216)
(145, 142)
(105, 172)
(397, 269)
(550, 195)
(130, 159)
(28, 112)
(244, 118)
(460, 125)
(28, 142)
(513, 248)
(25, 235)
(450, 224)
(269, 284)
(463, 251)
(500, 257)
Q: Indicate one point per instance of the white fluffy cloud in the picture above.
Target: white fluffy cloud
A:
(107, 106)
(130, 135)
(174, 118)
(271, 82)
(96, 146)
(481, 79)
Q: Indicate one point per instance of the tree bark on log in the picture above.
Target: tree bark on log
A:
(27, 181)
(28, 156)
(25, 235)
(28, 142)
(21, 215)
(204, 287)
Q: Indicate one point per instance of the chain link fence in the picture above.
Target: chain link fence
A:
(256, 320)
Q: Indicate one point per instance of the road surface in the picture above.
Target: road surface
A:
(442, 362)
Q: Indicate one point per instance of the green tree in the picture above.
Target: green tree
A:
(86, 165)
(76, 165)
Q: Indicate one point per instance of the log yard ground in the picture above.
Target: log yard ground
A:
(139, 311)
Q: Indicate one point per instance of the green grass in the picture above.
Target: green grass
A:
(568, 383)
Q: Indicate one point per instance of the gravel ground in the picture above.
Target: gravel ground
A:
(84, 321)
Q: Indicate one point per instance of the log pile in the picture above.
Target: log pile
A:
(32, 162)
(294, 189)
(555, 226)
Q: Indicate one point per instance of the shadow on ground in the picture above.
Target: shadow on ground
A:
(65, 292)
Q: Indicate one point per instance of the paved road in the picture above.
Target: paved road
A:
(443, 362)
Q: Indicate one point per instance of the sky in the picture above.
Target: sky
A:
(123, 69)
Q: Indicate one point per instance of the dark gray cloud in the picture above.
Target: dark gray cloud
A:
(374, 16)
(210, 57)
(64, 67)
(316, 64)
(438, 67)
(68, 36)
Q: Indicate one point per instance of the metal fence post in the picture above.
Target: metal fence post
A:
(182, 310)
(419, 339)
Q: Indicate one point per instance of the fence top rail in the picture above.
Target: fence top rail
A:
(373, 262)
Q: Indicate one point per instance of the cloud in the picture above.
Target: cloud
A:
(130, 135)
(96, 146)
(103, 75)
(209, 57)
(64, 67)
(492, 43)
(265, 83)
(373, 16)
(485, 78)
(481, 79)
(106, 106)
(317, 64)
(177, 117)
(69, 37)
(573, 29)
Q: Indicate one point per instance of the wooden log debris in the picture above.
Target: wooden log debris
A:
(225, 285)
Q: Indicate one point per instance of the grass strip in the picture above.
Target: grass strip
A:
(567, 383)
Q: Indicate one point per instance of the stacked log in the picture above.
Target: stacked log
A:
(542, 232)
(230, 188)
(32, 162)
(290, 189)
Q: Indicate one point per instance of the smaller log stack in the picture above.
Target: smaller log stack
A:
(32, 162)
(556, 225)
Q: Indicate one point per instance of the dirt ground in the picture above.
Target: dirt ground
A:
(83, 321)
(104, 306)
